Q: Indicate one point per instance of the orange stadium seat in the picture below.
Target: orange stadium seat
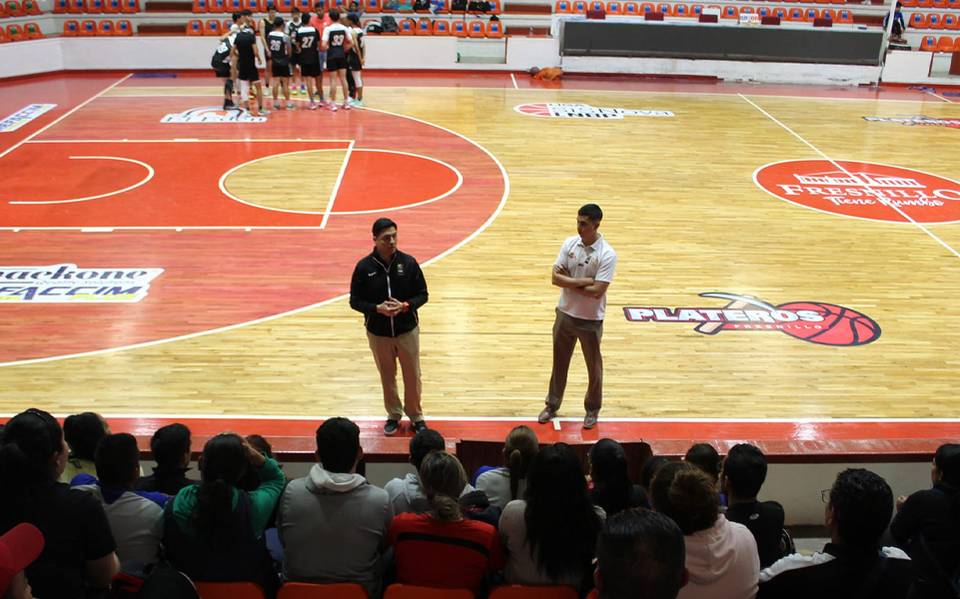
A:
(235, 5)
(442, 7)
(950, 21)
(337, 4)
(517, 591)
(763, 11)
(781, 13)
(908, 3)
(88, 28)
(372, 5)
(730, 12)
(938, 3)
(111, 7)
(3, 35)
(579, 7)
(200, 6)
(562, 6)
(15, 33)
(441, 27)
(918, 20)
(597, 6)
(811, 14)
(681, 10)
(928, 43)
(303, 5)
(476, 28)
(105, 27)
(407, 27)
(953, 3)
(212, 27)
(14, 8)
(30, 7)
(747, 10)
(795, 14)
(304, 590)
(124, 27)
(60, 7)
(94, 6)
(459, 28)
(664, 8)
(924, 3)
(828, 13)
(71, 28)
(647, 7)
(631, 8)
(424, 27)
(253, 5)
(220, 6)
(696, 10)
(956, 45)
(3, 10)
(226, 24)
(844, 16)
(495, 7)
(229, 590)
(131, 6)
(935, 21)
(406, 591)
(495, 29)
(284, 6)
(195, 27)
(945, 44)
(614, 7)
(32, 31)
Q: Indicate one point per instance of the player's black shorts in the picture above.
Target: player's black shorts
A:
(295, 59)
(336, 64)
(248, 72)
(353, 61)
(279, 70)
(223, 73)
(310, 70)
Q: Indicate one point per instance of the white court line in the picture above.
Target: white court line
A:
(514, 79)
(150, 173)
(336, 186)
(64, 115)
(438, 257)
(935, 95)
(866, 187)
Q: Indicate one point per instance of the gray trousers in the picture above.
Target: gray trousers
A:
(567, 330)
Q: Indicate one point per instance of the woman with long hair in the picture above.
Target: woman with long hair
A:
(79, 554)
(612, 488)
(214, 531)
(442, 548)
(503, 485)
(550, 535)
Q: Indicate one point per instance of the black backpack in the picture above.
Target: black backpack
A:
(389, 24)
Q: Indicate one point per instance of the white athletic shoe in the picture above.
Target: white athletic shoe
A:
(346, 106)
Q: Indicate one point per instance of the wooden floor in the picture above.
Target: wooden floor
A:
(681, 208)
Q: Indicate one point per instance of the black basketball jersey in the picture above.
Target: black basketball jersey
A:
(277, 43)
(221, 58)
(307, 42)
(336, 36)
(266, 26)
(246, 43)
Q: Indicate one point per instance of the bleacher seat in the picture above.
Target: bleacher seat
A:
(254, 6)
(105, 27)
(476, 28)
(195, 27)
(597, 6)
(647, 7)
(517, 591)
(459, 28)
(424, 27)
(229, 590)
(730, 12)
(3, 36)
(15, 33)
(32, 31)
(407, 591)
(30, 7)
(75, 7)
(372, 5)
(220, 6)
(284, 6)
(664, 8)
(953, 3)
(681, 10)
(763, 11)
(495, 7)
(696, 10)
(124, 27)
(938, 3)
(631, 8)
(579, 7)
(796, 14)
(844, 16)
(71, 28)
(93, 6)
(200, 6)
(442, 7)
(614, 7)
(562, 6)
(908, 3)
(337, 4)
(781, 13)
(494, 29)
(928, 43)
(945, 44)
(956, 45)
(811, 14)
(441, 27)
(226, 24)
(14, 9)
(131, 6)
(950, 21)
(828, 13)
(212, 27)
(407, 27)
(111, 7)
(305, 590)
(935, 21)
(918, 20)
(88, 28)
(924, 3)
(60, 7)
(747, 10)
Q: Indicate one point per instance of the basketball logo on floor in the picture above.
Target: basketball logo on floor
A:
(916, 120)
(66, 283)
(213, 114)
(815, 322)
(866, 190)
(584, 111)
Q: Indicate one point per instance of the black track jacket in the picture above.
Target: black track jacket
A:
(374, 282)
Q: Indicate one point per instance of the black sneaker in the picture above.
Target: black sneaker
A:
(391, 427)
(420, 425)
(227, 105)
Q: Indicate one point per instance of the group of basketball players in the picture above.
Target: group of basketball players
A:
(300, 50)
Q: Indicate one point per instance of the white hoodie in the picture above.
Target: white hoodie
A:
(722, 562)
(406, 494)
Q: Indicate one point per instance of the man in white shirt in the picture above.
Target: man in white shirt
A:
(583, 270)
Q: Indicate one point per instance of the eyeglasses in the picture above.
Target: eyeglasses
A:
(825, 495)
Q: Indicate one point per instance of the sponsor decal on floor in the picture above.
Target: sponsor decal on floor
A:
(584, 111)
(814, 322)
(917, 119)
(213, 114)
(23, 116)
(66, 283)
(864, 190)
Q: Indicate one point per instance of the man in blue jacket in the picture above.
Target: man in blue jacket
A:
(388, 287)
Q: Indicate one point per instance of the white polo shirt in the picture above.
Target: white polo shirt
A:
(598, 262)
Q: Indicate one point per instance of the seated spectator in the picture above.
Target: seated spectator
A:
(406, 494)
(744, 470)
(171, 450)
(213, 532)
(640, 555)
(442, 548)
(852, 564)
(135, 521)
(722, 556)
(79, 549)
(927, 526)
(19, 547)
(705, 457)
(82, 432)
(650, 468)
(551, 535)
(899, 25)
(260, 443)
(612, 488)
(333, 523)
(503, 485)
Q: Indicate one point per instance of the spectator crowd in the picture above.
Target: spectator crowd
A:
(79, 518)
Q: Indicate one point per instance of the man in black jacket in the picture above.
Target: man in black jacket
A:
(388, 287)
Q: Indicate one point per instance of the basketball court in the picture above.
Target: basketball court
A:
(788, 256)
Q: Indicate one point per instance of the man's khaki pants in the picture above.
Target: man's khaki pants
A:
(567, 330)
(386, 352)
